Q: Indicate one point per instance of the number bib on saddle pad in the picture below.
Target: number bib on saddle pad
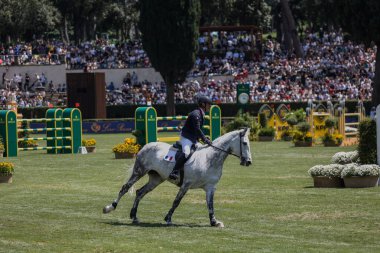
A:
(170, 156)
(175, 151)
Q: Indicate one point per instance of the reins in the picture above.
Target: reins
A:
(230, 153)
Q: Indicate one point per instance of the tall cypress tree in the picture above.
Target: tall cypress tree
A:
(170, 31)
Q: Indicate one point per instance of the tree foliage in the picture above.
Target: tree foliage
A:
(361, 22)
(26, 18)
(170, 31)
(236, 12)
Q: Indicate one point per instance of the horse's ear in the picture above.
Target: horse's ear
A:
(245, 130)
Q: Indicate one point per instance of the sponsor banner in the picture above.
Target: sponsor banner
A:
(111, 127)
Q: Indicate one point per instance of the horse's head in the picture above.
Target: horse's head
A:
(245, 149)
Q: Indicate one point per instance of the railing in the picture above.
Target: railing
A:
(34, 59)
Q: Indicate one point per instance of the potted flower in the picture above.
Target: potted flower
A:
(360, 176)
(302, 137)
(346, 157)
(89, 144)
(327, 176)
(332, 140)
(6, 172)
(128, 149)
(266, 134)
(27, 144)
(287, 135)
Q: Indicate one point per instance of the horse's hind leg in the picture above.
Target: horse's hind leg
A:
(154, 181)
(136, 175)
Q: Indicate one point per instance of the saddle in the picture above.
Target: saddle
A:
(178, 147)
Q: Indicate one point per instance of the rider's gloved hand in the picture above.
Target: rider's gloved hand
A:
(208, 141)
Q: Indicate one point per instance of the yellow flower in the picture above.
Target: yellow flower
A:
(309, 135)
(89, 142)
(129, 146)
(338, 137)
(130, 141)
(6, 168)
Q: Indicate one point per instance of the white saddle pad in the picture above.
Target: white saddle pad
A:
(170, 156)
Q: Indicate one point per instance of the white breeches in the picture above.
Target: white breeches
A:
(186, 146)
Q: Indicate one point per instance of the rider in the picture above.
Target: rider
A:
(191, 133)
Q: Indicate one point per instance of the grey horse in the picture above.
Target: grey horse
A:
(202, 170)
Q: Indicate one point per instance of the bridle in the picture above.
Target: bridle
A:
(241, 135)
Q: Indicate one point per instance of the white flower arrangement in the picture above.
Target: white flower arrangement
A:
(331, 170)
(316, 170)
(355, 170)
(345, 157)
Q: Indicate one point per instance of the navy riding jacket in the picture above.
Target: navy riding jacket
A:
(192, 129)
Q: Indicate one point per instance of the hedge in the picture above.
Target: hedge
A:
(228, 110)
(367, 147)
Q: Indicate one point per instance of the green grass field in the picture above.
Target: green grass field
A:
(55, 205)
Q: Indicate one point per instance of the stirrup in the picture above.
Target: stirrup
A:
(174, 175)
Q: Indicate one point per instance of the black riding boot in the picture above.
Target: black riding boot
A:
(174, 175)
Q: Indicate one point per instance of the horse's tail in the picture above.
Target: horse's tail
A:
(135, 173)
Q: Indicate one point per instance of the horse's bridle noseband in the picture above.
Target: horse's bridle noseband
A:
(241, 135)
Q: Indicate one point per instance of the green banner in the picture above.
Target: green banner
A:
(8, 131)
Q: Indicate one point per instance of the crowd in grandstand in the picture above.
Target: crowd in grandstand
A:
(332, 69)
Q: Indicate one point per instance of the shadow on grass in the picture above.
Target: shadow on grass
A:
(154, 225)
(309, 187)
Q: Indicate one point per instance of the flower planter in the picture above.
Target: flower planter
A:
(331, 144)
(361, 182)
(287, 138)
(124, 155)
(91, 149)
(6, 179)
(266, 138)
(303, 144)
(328, 182)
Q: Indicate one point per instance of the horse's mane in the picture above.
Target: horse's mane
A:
(218, 140)
(225, 136)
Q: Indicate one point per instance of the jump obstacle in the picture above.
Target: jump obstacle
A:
(63, 131)
(146, 123)
(350, 130)
(316, 117)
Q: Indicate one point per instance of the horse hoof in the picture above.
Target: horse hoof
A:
(135, 221)
(108, 209)
(169, 223)
(219, 224)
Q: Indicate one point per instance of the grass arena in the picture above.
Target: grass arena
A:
(55, 205)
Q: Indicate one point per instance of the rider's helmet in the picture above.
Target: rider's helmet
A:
(203, 100)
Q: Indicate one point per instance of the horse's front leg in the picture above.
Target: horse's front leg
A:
(210, 205)
(182, 191)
